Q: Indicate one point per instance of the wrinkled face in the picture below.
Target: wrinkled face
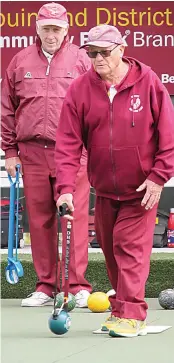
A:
(105, 63)
(51, 37)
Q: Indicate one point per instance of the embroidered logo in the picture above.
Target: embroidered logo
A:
(54, 12)
(28, 75)
(135, 104)
(53, 9)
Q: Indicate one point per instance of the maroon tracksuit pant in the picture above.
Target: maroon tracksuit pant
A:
(39, 186)
(125, 233)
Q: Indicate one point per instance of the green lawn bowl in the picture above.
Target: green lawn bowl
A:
(71, 301)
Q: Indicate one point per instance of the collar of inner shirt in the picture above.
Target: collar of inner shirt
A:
(47, 55)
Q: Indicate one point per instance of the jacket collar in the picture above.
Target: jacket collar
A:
(63, 47)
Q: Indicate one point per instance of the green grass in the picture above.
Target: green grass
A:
(161, 275)
(97, 256)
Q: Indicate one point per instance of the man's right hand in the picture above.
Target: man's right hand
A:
(10, 166)
(68, 199)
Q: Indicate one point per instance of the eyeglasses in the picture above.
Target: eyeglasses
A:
(104, 53)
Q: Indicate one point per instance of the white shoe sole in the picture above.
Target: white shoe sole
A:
(49, 303)
(140, 333)
(81, 306)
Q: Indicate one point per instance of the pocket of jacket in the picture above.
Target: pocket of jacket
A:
(30, 83)
(61, 80)
(100, 169)
(129, 173)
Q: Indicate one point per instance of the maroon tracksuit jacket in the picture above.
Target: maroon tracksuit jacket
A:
(128, 141)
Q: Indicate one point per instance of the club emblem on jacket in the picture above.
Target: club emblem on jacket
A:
(135, 104)
(28, 75)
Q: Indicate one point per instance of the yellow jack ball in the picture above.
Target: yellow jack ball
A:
(98, 302)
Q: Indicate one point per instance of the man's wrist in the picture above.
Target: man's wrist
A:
(11, 153)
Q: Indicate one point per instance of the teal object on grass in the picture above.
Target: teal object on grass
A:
(71, 301)
(60, 323)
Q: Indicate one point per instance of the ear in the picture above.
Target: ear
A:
(122, 48)
(37, 28)
(66, 31)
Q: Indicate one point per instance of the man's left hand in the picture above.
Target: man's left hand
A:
(152, 195)
(68, 199)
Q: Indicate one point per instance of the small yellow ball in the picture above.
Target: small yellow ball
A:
(98, 302)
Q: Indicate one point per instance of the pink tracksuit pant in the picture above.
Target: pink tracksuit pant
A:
(39, 186)
(125, 233)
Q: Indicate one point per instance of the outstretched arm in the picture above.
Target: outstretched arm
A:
(69, 144)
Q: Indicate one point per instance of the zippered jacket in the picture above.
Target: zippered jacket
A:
(33, 92)
(128, 140)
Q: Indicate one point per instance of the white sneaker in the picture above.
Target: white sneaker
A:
(37, 298)
(82, 298)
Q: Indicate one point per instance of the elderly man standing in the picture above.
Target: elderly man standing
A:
(123, 114)
(33, 91)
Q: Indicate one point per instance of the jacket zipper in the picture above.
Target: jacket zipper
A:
(48, 70)
(46, 101)
(111, 138)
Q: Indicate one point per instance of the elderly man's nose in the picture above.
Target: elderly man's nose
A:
(99, 56)
(50, 33)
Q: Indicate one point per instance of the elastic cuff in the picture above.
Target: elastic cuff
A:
(66, 190)
(156, 179)
(11, 153)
